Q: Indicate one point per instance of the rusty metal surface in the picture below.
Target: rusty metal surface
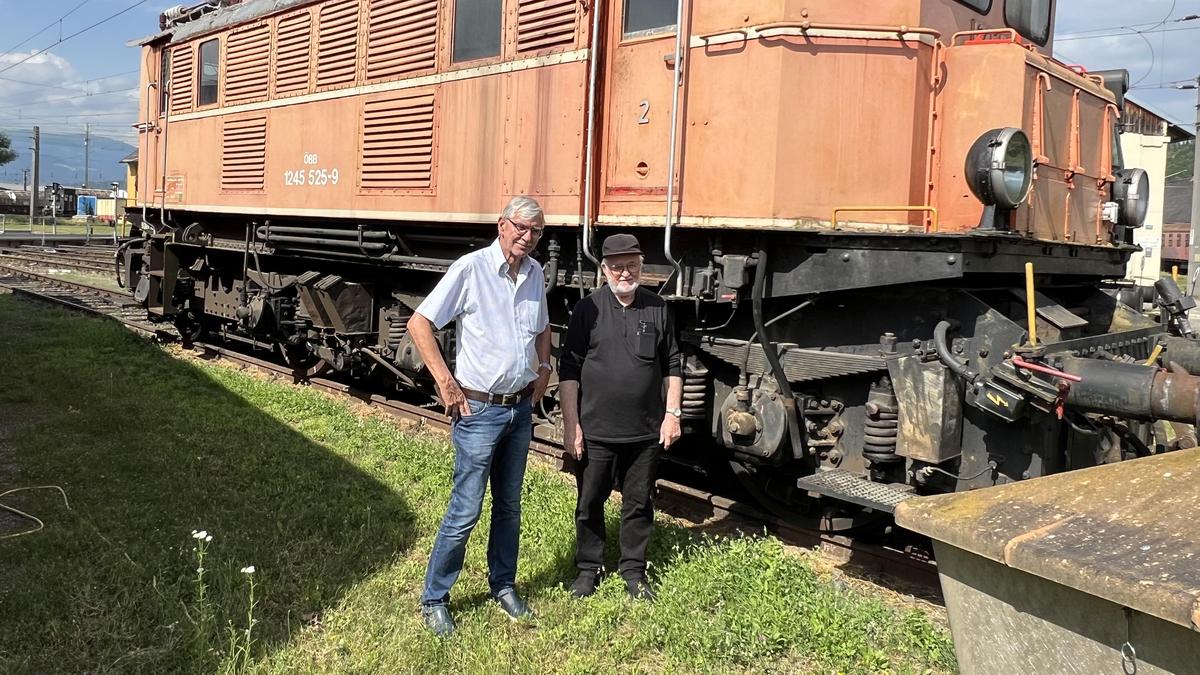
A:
(930, 421)
(1006, 621)
(1125, 532)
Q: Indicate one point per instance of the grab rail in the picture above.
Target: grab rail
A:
(931, 210)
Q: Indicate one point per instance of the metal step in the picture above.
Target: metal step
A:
(843, 485)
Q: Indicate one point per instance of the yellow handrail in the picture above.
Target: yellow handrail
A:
(932, 211)
(1158, 350)
(1030, 304)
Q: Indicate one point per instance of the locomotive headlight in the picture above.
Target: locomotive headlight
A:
(1131, 192)
(999, 167)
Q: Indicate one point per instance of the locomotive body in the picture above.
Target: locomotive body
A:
(843, 201)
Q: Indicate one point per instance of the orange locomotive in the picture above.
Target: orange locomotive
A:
(845, 197)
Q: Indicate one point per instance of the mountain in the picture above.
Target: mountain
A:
(62, 159)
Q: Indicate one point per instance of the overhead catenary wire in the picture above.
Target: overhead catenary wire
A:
(71, 86)
(1109, 31)
(72, 35)
(1154, 55)
(50, 25)
(60, 99)
(66, 119)
(1129, 31)
(1175, 84)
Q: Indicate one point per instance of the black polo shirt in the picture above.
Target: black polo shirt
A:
(620, 355)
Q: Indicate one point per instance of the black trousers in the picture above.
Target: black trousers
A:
(633, 467)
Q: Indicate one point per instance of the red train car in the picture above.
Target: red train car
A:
(1176, 242)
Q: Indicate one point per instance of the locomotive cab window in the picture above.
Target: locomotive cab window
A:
(210, 53)
(1030, 18)
(981, 6)
(648, 16)
(477, 26)
(164, 79)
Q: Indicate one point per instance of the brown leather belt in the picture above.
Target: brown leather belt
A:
(499, 399)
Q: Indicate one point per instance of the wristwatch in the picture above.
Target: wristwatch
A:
(677, 412)
(546, 365)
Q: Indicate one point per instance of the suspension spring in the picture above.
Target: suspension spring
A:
(882, 424)
(397, 327)
(695, 391)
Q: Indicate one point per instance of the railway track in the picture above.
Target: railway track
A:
(913, 566)
(78, 258)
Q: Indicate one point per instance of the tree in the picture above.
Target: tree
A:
(1180, 158)
(6, 152)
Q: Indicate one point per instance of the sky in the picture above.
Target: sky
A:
(92, 78)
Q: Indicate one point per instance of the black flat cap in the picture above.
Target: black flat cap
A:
(620, 244)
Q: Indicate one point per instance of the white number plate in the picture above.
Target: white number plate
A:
(311, 174)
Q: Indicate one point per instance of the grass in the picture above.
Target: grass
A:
(108, 281)
(20, 225)
(336, 511)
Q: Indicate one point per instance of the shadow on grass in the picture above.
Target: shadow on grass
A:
(150, 448)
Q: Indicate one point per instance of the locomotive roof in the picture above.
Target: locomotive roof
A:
(224, 17)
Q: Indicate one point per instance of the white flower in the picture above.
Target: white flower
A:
(194, 532)
(249, 569)
(199, 570)
(208, 538)
(200, 535)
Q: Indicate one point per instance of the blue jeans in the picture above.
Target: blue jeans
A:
(492, 442)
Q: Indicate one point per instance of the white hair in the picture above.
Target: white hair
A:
(525, 209)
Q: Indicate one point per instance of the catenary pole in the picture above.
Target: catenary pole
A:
(1194, 266)
(33, 188)
(87, 153)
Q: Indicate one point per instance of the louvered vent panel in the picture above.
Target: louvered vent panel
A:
(243, 154)
(397, 150)
(337, 43)
(291, 54)
(542, 24)
(182, 79)
(402, 37)
(247, 64)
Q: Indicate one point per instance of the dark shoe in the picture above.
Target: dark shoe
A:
(639, 589)
(438, 620)
(585, 584)
(512, 605)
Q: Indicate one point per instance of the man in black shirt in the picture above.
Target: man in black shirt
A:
(618, 356)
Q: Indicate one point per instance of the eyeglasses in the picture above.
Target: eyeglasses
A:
(523, 229)
(631, 268)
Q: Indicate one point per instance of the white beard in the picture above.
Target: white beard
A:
(624, 287)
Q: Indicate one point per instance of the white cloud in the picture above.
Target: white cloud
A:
(50, 91)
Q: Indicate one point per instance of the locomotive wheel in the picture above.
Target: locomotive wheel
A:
(190, 327)
(776, 491)
(304, 364)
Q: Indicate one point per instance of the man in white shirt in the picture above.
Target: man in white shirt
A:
(497, 298)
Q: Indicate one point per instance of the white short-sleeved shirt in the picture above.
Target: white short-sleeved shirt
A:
(498, 319)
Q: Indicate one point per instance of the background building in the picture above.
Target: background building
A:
(1144, 140)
